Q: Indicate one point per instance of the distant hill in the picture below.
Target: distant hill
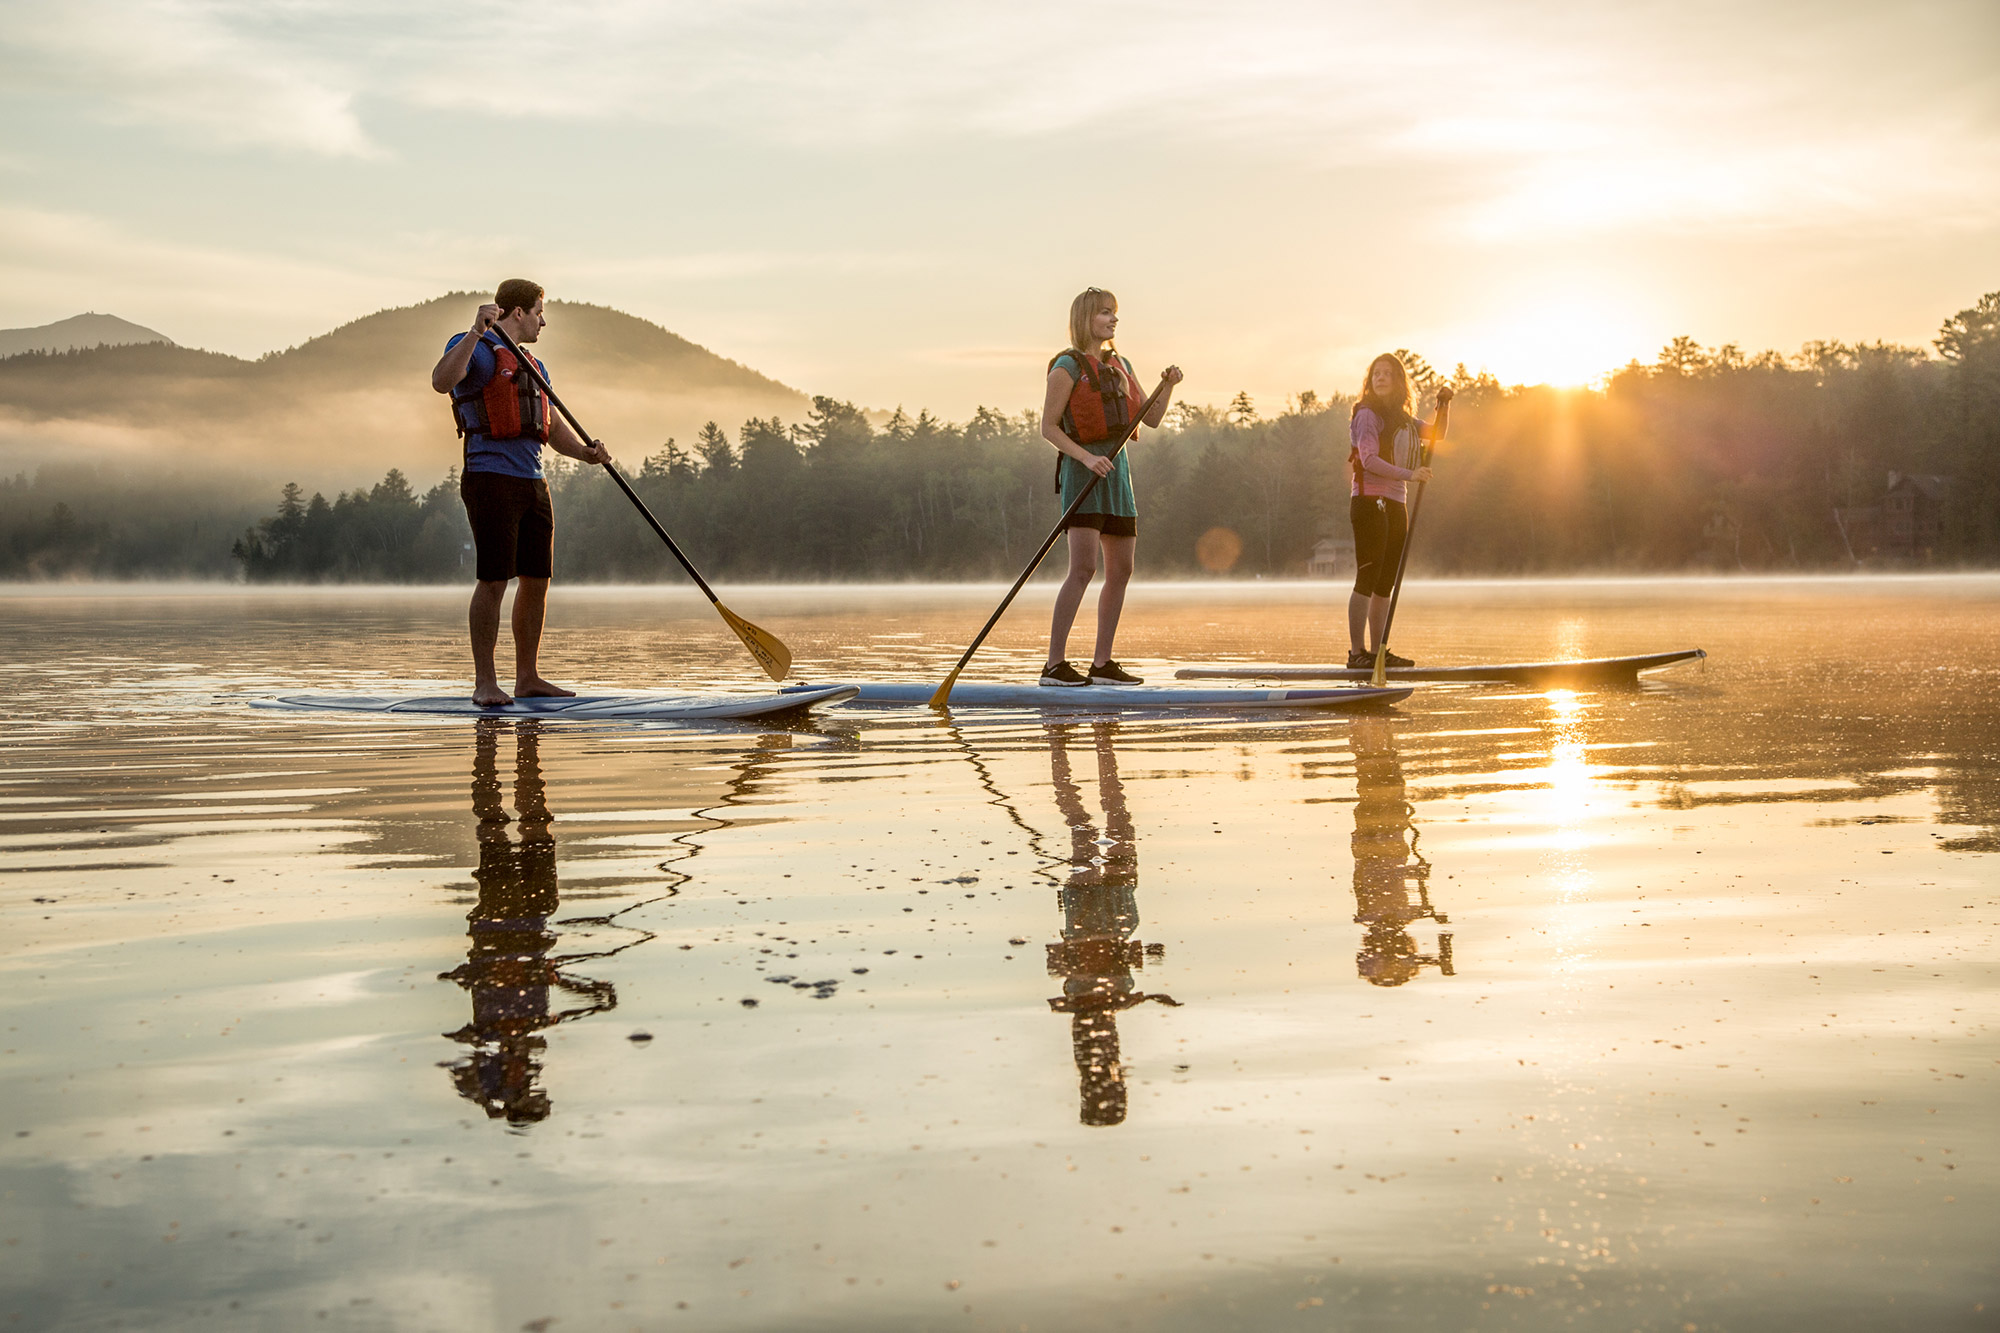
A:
(89, 330)
(342, 408)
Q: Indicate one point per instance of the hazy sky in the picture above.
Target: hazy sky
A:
(894, 203)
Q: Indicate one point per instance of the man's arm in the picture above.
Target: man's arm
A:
(451, 367)
(566, 442)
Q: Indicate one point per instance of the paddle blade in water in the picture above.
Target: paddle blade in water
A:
(942, 697)
(771, 654)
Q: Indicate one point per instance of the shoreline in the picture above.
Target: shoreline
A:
(35, 590)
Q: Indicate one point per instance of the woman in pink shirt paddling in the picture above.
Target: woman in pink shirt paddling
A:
(1385, 455)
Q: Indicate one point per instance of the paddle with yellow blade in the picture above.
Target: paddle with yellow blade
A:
(1381, 676)
(943, 694)
(771, 654)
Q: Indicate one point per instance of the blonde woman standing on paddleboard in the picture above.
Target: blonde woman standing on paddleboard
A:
(1383, 458)
(1092, 396)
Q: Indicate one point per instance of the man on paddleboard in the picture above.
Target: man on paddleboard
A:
(504, 419)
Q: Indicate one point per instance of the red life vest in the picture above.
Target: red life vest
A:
(510, 407)
(1104, 401)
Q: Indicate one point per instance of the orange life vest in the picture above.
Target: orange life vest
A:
(1104, 401)
(510, 407)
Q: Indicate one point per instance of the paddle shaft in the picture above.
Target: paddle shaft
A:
(944, 690)
(1409, 537)
(542, 382)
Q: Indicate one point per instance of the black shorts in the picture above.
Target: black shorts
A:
(1379, 527)
(1111, 525)
(513, 526)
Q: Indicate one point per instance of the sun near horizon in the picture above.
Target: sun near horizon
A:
(1565, 343)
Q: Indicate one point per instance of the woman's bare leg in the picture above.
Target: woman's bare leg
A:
(1083, 549)
(1119, 553)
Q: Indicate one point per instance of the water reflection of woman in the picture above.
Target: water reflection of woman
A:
(508, 970)
(1100, 903)
(1391, 880)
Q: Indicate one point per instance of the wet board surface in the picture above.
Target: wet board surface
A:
(1104, 698)
(584, 707)
(1591, 671)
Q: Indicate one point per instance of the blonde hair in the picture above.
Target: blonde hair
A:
(1088, 303)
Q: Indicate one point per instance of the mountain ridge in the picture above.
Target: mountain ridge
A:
(89, 329)
(357, 399)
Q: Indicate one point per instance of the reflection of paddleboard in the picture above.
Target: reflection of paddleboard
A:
(1593, 671)
(1110, 698)
(584, 707)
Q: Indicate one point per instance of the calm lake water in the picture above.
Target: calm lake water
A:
(1670, 1008)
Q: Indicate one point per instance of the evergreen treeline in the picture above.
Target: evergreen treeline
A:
(78, 521)
(389, 534)
(1706, 458)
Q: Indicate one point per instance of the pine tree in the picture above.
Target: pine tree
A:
(713, 446)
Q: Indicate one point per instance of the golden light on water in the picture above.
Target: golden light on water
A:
(1569, 765)
(1569, 801)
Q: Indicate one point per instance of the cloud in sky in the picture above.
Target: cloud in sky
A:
(1287, 183)
(202, 71)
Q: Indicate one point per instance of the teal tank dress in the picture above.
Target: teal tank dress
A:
(1113, 495)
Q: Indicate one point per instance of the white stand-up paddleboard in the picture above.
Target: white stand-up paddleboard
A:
(1591, 671)
(1110, 698)
(584, 707)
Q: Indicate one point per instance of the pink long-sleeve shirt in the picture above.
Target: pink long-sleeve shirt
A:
(1377, 475)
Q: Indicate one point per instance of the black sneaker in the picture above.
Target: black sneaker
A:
(1112, 674)
(1360, 661)
(1062, 673)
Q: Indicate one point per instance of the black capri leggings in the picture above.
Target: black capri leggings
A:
(1379, 527)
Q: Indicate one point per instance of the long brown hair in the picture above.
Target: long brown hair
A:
(1393, 411)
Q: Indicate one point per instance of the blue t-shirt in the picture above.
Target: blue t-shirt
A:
(520, 457)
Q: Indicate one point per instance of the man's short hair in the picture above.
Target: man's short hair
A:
(517, 294)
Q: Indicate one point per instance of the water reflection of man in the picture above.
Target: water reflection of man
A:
(1391, 880)
(507, 969)
(1100, 903)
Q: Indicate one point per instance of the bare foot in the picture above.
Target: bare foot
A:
(491, 696)
(537, 688)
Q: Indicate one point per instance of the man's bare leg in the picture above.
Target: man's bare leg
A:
(531, 604)
(484, 621)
